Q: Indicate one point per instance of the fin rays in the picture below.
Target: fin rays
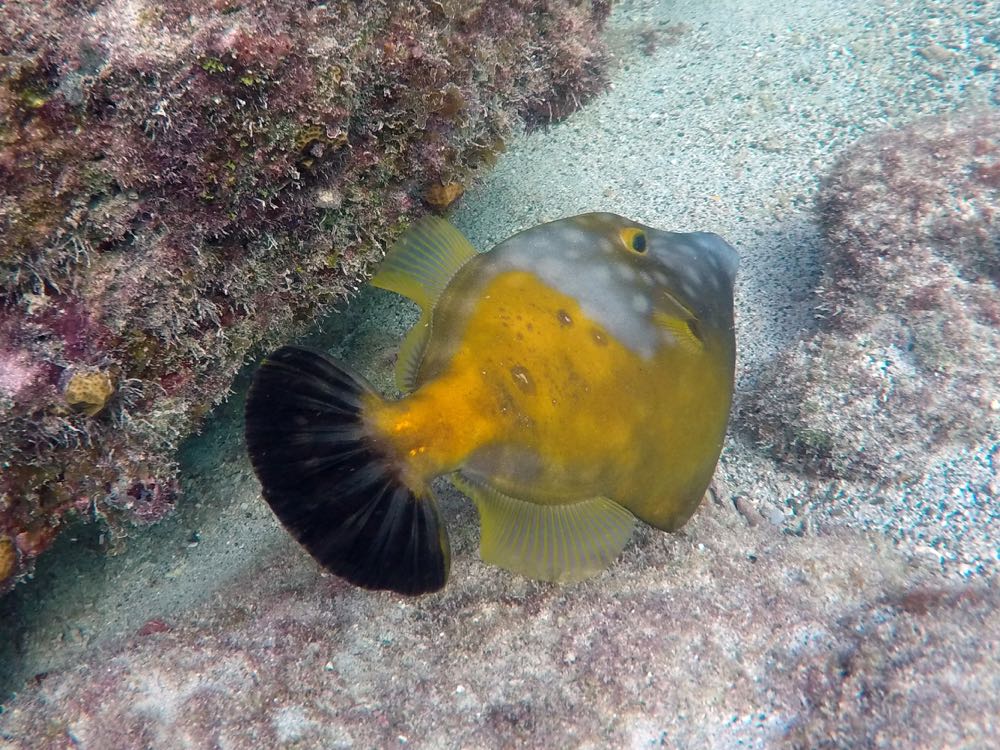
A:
(423, 261)
(419, 266)
(331, 486)
(411, 354)
(567, 542)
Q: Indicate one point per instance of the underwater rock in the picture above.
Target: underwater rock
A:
(905, 363)
(723, 636)
(916, 668)
(181, 183)
(441, 196)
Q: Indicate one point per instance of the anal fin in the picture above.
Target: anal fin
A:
(566, 542)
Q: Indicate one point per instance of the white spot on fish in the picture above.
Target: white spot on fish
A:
(593, 280)
(550, 266)
(602, 274)
(626, 272)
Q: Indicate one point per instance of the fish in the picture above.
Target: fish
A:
(573, 380)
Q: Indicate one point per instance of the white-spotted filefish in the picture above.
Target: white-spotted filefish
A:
(576, 377)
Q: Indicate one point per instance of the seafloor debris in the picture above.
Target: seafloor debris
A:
(441, 196)
(8, 557)
(179, 183)
(906, 361)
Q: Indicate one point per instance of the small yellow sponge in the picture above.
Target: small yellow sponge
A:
(88, 392)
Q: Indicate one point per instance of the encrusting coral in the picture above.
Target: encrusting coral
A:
(182, 182)
(906, 361)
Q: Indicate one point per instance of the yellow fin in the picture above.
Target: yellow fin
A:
(423, 261)
(411, 353)
(684, 330)
(563, 543)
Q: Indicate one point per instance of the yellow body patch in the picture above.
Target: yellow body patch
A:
(554, 409)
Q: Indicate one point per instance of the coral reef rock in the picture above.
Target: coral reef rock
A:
(905, 363)
(182, 182)
(723, 636)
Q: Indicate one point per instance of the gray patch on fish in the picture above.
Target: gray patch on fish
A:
(607, 284)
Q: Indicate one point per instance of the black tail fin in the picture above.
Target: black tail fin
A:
(330, 485)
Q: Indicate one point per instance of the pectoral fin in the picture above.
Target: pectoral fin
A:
(684, 331)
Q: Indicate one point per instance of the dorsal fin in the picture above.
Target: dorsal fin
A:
(411, 354)
(564, 543)
(423, 261)
(419, 267)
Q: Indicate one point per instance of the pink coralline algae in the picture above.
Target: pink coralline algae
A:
(905, 363)
(182, 182)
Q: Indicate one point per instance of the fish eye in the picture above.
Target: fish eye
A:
(634, 239)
